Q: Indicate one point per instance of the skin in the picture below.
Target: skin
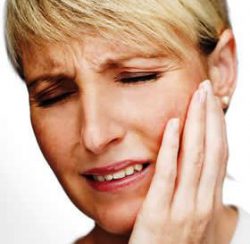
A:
(104, 120)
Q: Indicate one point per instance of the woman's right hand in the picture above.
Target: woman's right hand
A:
(181, 202)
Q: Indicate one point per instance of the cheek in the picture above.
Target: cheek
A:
(148, 117)
(56, 133)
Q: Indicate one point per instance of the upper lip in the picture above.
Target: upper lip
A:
(114, 167)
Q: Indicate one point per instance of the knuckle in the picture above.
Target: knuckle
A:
(204, 213)
(200, 155)
(218, 146)
(171, 174)
(164, 181)
(198, 158)
(150, 220)
(174, 145)
(226, 154)
(182, 217)
(218, 152)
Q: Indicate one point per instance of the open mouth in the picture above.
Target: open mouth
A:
(125, 173)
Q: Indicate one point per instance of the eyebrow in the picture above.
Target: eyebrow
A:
(104, 65)
(116, 62)
(47, 77)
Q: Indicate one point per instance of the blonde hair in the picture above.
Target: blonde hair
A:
(166, 24)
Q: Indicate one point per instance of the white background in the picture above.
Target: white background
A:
(34, 208)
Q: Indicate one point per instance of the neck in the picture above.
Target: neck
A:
(100, 236)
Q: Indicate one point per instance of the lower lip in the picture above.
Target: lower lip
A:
(114, 185)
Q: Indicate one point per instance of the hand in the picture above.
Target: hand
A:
(181, 202)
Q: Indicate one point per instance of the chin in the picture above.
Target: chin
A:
(113, 212)
(120, 218)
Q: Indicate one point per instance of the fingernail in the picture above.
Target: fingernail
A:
(201, 95)
(174, 123)
(206, 84)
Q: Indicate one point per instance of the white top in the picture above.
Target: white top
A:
(242, 232)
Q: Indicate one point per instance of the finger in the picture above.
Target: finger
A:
(163, 183)
(214, 153)
(222, 172)
(192, 151)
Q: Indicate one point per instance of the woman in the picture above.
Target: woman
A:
(122, 116)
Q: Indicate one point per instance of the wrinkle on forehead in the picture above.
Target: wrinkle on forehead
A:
(101, 53)
(46, 58)
(96, 52)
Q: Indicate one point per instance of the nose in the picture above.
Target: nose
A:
(100, 127)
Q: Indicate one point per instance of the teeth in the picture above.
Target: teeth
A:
(129, 170)
(99, 178)
(119, 175)
(138, 167)
(108, 177)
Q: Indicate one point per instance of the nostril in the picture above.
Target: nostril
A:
(97, 141)
(100, 126)
(93, 140)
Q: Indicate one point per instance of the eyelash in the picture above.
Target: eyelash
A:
(51, 101)
(136, 78)
(125, 79)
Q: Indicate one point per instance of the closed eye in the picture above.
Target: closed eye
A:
(137, 77)
(54, 92)
(54, 99)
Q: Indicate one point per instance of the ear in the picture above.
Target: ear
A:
(222, 68)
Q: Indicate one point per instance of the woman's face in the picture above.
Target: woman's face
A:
(95, 104)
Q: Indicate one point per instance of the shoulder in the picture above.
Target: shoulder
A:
(242, 232)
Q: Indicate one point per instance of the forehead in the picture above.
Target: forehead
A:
(96, 51)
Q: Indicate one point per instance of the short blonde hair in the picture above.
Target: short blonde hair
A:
(167, 24)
